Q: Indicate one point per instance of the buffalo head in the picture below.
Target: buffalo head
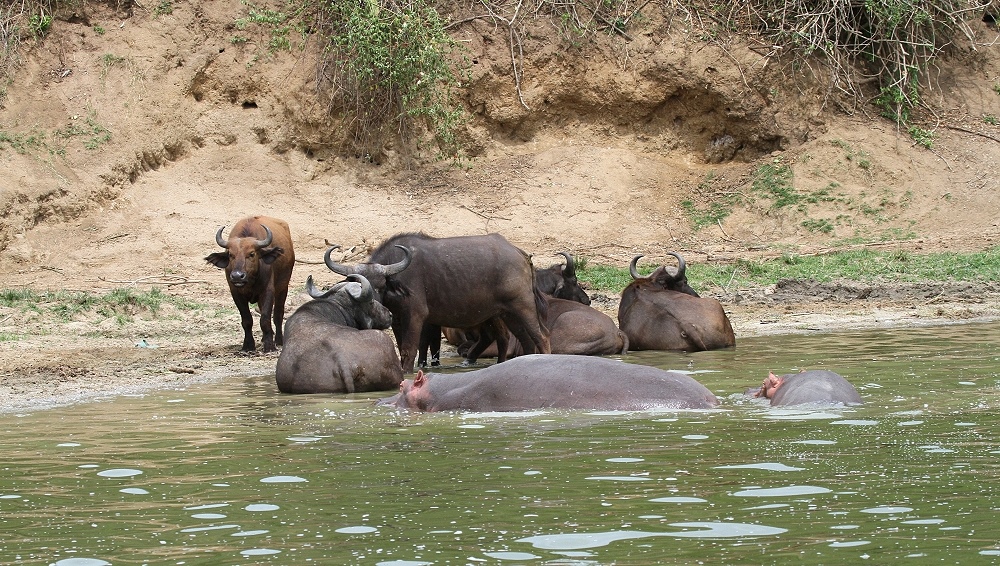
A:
(560, 281)
(243, 256)
(377, 274)
(357, 299)
(663, 277)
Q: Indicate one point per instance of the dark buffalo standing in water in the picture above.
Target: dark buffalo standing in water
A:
(812, 387)
(558, 281)
(662, 312)
(460, 282)
(330, 346)
(258, 261)
(553, 381)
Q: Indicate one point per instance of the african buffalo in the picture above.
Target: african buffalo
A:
(662, 312)
(330, 346)
(560, 281)
(553, 381)
(557, 281)
(258, 261)
(580, 329)
(573, 329)
(460, 282)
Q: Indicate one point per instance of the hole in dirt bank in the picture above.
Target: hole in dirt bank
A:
(249, 104)
(712, 126)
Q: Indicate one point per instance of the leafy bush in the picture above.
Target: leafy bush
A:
(392, 66)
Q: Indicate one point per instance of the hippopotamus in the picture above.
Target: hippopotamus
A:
(541, 381)
(817, 386)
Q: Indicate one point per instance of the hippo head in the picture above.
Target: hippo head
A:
(413, 393)
(770, 386)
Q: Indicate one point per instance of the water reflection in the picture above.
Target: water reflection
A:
(233, 472)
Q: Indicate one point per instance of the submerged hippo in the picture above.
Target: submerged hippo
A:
(541, 381)
(813, 386)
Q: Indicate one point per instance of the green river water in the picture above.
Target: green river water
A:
(232, 472)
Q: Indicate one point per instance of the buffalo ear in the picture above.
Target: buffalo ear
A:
(218, 259)
(269, 255)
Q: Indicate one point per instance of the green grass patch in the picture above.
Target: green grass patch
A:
(87, 131)
(121, 304)
(854, 265)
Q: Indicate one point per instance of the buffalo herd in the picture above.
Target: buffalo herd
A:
(487, 298)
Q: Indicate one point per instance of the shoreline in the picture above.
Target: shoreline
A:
(66, 367)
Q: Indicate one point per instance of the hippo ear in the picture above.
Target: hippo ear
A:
(419, 380)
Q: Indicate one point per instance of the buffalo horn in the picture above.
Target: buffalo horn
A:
(570, 270)
(632, 270)
(395, 268)
(218, 238)
(312, 290)
(366, 294)
(267, 239)
(680, 265)
(336, 267)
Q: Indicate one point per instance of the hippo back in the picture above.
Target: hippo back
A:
(542, 381)
(815, 387)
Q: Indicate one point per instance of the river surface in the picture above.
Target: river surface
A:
(231, 472)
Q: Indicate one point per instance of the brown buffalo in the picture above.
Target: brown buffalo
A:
(580, 329)
(662, 312)
(573, 329)
(258, 261)
(460, 282)
(335, 343)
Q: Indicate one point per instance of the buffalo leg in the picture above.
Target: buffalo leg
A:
(408, 334)
(534, 338)
(503, 341)
(246, 320)
(489, 332)
(266, 311)
(279, 316)
(430, 339)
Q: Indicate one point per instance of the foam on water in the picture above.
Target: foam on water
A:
(283, 479)
(769, 466)
(789, 491)
(119, 473)
(577, 541)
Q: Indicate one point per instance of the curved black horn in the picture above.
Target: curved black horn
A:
(632, 270)
(680, 265)
(312, 290)
(570, 269)
(395, 268)
(336, 267)
(366, 294)
(218, 238)
(267, 239)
